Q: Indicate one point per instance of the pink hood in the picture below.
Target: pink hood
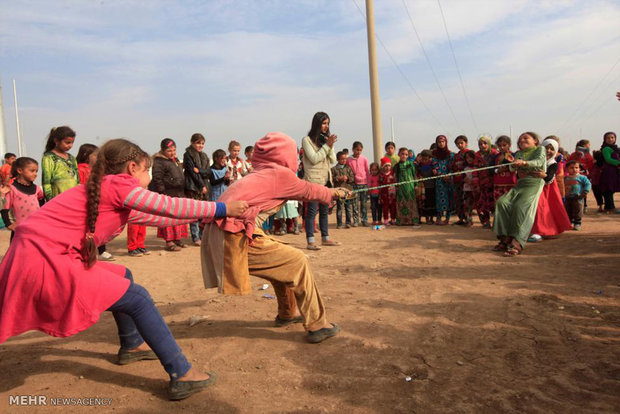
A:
(272, 182)
(275, 149)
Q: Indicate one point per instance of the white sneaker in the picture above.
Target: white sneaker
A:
(534, 238)
(106, 257)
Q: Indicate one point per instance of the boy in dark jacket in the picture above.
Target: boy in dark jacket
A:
(343, 177)
(196, 169)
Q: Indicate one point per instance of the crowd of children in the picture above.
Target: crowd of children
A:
(534, 193)
(400, 190)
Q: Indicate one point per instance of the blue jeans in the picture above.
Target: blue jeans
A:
(347, 206)
(138, 320)
(194, 229)
(323, 210)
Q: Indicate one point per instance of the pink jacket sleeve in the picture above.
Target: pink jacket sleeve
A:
(289, 187)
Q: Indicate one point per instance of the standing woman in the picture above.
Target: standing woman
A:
(610, 175)
(168, 179)
(443, 159)
(318, 156)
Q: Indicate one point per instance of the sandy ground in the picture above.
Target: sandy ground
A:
(432, 319)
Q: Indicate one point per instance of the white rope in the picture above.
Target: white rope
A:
(419, 180)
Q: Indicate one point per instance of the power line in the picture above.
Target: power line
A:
(589, 95)
(401, 72)
(430, 65)
(608, 96)
(457, 68)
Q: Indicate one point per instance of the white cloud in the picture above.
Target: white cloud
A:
(239, 69)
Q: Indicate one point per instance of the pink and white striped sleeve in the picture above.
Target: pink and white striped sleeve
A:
(138, 217)
(156, 204)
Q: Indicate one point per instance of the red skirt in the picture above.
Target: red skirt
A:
(172, 233)
(551, 218)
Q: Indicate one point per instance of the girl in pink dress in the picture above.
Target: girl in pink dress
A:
(51, 281)
(23, 197)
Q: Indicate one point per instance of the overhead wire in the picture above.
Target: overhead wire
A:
(609, 97)
(458, 70)
(592, 91)
(430, 65)
(402, 73)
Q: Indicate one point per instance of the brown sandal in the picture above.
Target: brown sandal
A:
(500, 247)
(513, 250)
(172, 247)
(331, 243)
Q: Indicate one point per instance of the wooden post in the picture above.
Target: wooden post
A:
(374, 82)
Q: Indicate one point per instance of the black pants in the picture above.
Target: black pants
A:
(608, 196)
(597, 195)
(574, 209)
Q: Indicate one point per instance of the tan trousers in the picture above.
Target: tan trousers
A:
(288, 271)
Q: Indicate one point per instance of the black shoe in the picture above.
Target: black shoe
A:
(285, 322)
(314, 337)
(125, 357)
(144, 251)
(179, 390)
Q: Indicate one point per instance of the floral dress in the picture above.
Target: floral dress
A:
(58, 174)
(406, 203)
(443, 188)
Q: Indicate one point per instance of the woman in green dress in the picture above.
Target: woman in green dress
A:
(406, 203)
(59, 168)
(515, 211)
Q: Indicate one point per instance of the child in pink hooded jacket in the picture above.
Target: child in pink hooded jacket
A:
(232, 249)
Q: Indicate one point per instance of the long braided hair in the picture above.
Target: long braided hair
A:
(112, 158)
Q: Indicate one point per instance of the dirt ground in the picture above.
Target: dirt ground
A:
(432, 321)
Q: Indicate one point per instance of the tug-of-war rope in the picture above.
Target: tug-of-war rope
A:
(419, 180)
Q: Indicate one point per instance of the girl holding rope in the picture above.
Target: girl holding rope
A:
(515, 211)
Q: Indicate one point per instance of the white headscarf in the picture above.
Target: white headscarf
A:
(555, 146)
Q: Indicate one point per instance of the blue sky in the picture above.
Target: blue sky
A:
(238, 69)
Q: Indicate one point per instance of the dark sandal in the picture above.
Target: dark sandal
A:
(125, 356)
(314, 337)
(180, 244)
(512, 251)
(500, 247)
(179, 390)
(286, 322)
(172, 248)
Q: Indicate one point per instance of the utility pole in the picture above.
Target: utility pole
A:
(3, 146)
(375, 105)
(19, 132)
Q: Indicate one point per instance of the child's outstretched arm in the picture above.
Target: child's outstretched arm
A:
(161, 205)
(146, 219)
